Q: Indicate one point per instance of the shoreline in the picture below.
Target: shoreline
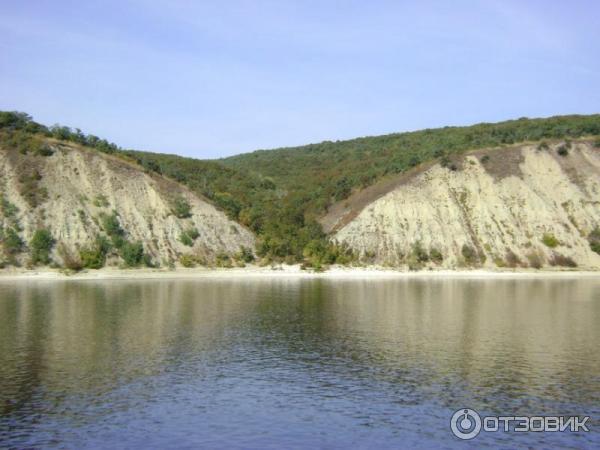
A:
(283, 271)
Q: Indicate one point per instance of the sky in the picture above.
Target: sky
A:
(214, 78)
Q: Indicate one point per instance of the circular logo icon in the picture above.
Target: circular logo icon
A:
(465, 423)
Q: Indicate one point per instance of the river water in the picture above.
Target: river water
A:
(295, 363)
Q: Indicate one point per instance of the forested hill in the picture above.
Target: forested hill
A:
(279, 194)
(73, 206)
(330, 170)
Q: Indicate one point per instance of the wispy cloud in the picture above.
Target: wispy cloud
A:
(211, 78)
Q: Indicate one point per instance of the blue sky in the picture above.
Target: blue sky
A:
(210, 79)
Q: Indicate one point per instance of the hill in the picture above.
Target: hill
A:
(283, 194)
(290, 197)
(66, 204)
(520, 206)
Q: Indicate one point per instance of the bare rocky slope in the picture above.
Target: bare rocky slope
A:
(522, 206)
(70, 191)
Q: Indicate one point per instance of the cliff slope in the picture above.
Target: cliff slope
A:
(527, 205)
(80, 195)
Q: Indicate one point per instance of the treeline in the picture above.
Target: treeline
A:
(18, 126)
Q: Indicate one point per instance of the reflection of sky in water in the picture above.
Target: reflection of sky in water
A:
(292, 362)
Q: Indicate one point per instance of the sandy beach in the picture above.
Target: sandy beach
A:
(282, 271)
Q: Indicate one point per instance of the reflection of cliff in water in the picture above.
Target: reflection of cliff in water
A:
(85, 338)
(507, 339)
(419, 340)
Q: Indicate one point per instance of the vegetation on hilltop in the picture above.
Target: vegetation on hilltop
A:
(21, 132)
(329, 171)
(279, 194)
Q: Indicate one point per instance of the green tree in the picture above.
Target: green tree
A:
(11, 241)
(245, 255)
(94, 256)
(112, 227)
(41, 245)
(132, 253)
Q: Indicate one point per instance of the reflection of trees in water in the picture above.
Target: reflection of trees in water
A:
(508, 340)
(85, 339)
(491, 342)
(18, 338)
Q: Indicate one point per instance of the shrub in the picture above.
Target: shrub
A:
(543, 146)
(446, 162)
(414, 161)
(11, 241)
(597, 143)
(549, 240)
(132, 253)
(111, 225)
(70, 261)
(535, 260)
(91, 258)
(436, 256)
(188, 260)
(318, 267)
(94, 256)
(499, 261)
(470, 255)
(594, 240)
(188, 236)
(41, 244)
(561, 260)
(342, 253)
(100, 201)
(563, 150)
(44, 150)
(484, 159)
(321, 251)
(83, 218)
(8, 209)
(512, 260)
(30, 189)
(223, 260)
(419, 252)
(245, 255)
(413, 264)
(193, 233)
(369, 255)
(185, 239)
(181, 208)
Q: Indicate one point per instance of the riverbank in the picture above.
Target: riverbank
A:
(293, 271)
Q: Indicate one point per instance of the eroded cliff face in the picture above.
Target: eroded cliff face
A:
(70, 191)
(521, 206)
